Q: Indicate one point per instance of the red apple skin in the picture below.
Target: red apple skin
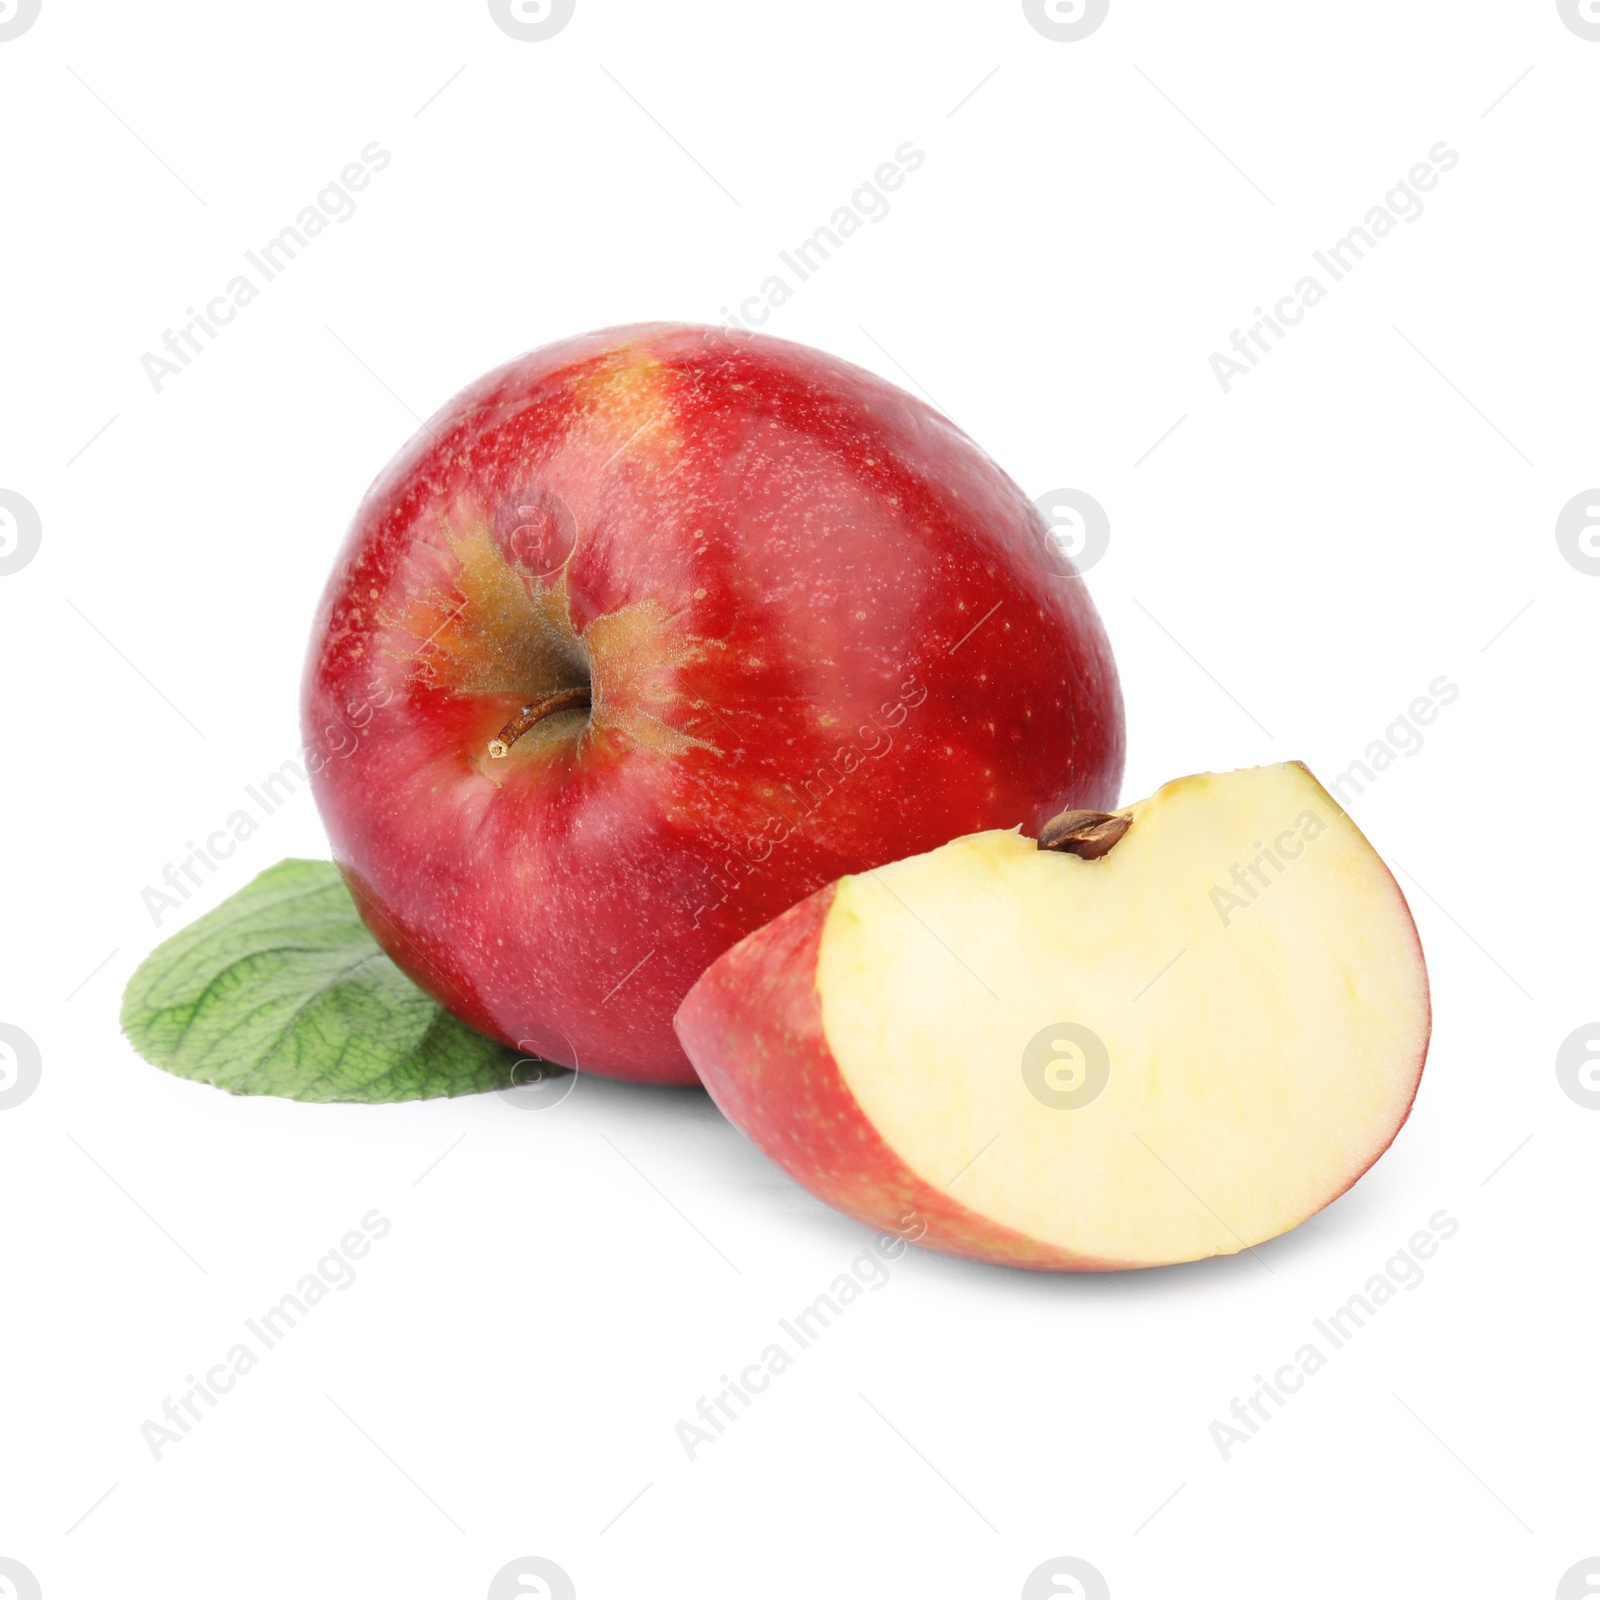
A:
(752, 1025)
(822, 630)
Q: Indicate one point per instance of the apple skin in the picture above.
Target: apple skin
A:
(821, 630)
(753, 1025)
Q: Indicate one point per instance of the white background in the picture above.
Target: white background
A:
(1374, 506)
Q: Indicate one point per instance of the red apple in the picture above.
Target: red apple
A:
(653, 632)
(1181, 1037)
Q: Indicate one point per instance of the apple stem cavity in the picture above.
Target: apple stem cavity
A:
(1086, 834)
(535, 712)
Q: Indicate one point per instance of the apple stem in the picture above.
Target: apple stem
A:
(1086, 834)
(534, 712)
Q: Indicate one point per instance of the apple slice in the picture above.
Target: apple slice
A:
(1154, 1037)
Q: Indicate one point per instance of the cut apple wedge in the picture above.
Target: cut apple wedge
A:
(1158, 1036)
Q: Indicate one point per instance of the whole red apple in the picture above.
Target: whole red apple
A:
(653, 632)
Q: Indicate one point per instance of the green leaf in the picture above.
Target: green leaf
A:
(281, 990)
